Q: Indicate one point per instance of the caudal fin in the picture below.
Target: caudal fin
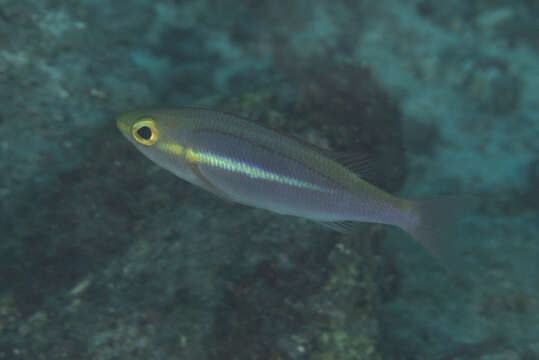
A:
(435, 226)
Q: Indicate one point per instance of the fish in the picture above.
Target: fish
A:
(244, 162)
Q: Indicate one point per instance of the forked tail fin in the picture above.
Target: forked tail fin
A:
(435, 225)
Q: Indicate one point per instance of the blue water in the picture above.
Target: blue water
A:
(103, 255)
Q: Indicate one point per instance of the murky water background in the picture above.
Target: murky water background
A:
(103, 255)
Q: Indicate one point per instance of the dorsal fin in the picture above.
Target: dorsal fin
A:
(359, 163)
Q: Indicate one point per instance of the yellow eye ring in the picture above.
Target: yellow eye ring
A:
(145, 132)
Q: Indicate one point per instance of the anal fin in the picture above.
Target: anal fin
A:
(344, 227)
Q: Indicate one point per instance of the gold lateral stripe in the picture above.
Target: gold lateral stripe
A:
(122, 126)
(244, 168)
(173, 149)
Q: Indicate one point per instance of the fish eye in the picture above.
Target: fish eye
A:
(145, 132)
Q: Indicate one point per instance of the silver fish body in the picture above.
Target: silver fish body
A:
(253, 165)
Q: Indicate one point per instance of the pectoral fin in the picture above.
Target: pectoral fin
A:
(207, 184)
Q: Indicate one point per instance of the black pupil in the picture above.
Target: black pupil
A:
(145, 133)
